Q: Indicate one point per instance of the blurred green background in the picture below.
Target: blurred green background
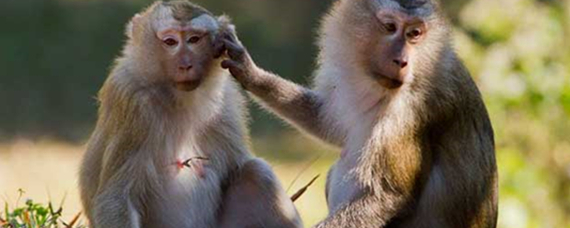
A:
(55, 54)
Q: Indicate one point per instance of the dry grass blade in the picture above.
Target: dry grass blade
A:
(301, 191)
(312, 162)
(73, 221)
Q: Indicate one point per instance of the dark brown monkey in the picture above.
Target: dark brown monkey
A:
(417, 143)
(170, 148)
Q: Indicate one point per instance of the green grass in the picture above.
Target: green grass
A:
(35, 215)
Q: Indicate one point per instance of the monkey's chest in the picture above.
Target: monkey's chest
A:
(191, 198)
(342, 183)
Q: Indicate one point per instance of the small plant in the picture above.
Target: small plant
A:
(35, 215)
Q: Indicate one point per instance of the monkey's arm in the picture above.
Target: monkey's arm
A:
(126, 115)
(389, 184)
(113, 206)
(368, 211)
(90, 170)
(300, 106)
(255, 198)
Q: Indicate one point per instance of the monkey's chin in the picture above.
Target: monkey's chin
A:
(187, 86)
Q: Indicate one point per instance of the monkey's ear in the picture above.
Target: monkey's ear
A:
(226, 24)
(132, 24)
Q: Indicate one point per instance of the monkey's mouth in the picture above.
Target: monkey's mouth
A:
(187, 81)
(387, 82)
(187, 86)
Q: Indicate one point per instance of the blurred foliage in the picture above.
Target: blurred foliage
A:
(55, 54)
(521, 60)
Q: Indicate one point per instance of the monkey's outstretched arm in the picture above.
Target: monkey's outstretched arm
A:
(300, 106)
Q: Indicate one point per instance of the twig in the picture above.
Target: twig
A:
(187, 162)
(311, 163)
(304, 189)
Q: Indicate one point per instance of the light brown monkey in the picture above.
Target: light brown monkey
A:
(417, 142)
(170, 148)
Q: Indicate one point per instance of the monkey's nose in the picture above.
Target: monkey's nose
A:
(402, 63)
(185, 67)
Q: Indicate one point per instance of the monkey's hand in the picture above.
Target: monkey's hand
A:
(239, 62)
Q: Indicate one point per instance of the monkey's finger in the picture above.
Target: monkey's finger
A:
(235, 51)
(233, 67)
(219, 49)
(231, 37)
(227, 64)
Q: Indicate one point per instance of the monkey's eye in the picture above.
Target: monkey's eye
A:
(391, 27)
(170, 42)
(194, 39)
(415, 34)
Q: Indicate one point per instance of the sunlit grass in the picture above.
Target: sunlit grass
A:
(47, 170)
(35, 215)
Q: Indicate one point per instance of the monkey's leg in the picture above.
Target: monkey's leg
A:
(255, 198)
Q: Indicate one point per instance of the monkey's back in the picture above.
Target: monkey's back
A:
(462, 189)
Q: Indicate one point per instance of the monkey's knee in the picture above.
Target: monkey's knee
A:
(255, 198)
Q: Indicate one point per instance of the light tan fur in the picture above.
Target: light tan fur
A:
(131, 175)
(415, 154)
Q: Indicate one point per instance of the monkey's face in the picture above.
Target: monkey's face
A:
(186, 49)
(391, 60)
(387, 36)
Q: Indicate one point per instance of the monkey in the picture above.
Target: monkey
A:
(171, 145)
(417, 142)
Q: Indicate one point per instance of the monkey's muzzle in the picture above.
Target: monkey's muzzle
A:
(388, 82)
(188, 86)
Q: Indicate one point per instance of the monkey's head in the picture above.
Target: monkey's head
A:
(387, 37)
(176, 40)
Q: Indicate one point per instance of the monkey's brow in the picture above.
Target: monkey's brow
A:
(187, 29)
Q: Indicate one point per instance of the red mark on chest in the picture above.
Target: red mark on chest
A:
(179, 165)
(196, 164)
